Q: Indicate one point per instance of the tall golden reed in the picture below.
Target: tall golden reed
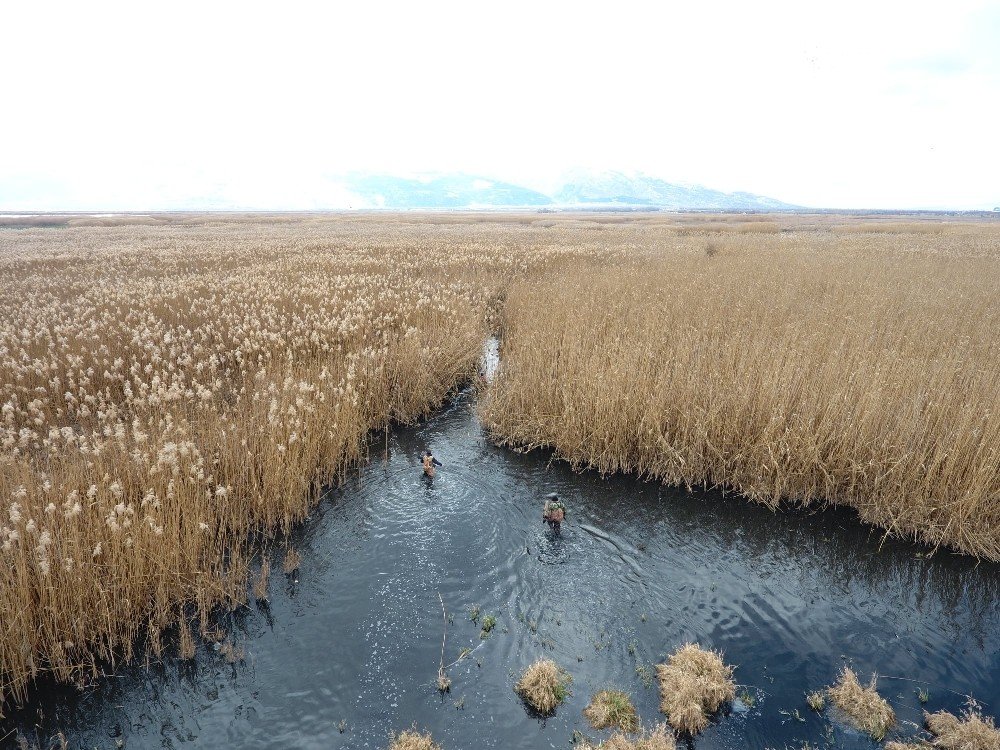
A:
(813, 366)
(166, 391)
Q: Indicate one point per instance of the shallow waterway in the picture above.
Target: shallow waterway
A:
(348, 650)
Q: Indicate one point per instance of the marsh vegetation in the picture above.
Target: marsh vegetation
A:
(813, 368)
(862, 705)
(175, 394)
(167, 393)
(612, 708)
(968, 731)
(660, 737)
(413, 740)
(543, 685)
(694, 683)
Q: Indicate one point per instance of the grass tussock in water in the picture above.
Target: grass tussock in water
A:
(612, 708)
(694, 683)
(413, 740)
(863, 706)
(543, 686)
(808, 367)
(970, 731)
(816, 700)
(659, 737)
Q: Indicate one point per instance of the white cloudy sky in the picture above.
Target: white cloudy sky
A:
(846, 104)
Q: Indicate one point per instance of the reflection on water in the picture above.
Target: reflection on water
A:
(491, 358)
(349, 651)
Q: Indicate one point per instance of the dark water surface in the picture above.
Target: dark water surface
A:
(354, 643)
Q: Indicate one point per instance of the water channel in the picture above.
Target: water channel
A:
(348, 650)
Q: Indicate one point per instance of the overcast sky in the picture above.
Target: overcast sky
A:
(846, 104)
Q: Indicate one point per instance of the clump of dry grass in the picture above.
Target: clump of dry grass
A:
(612, 708)
(816, 700)
(543, 686)
(413, 740)
(970, 731)
(658, 738)
(862, 706)
(694, 682)
(443, 682)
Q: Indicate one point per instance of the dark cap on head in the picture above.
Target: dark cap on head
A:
(552, 496)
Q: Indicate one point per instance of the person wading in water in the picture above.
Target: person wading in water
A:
(554, 512)
(429, 463)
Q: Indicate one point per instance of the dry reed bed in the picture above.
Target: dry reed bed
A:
(166, 393)
(815, 367)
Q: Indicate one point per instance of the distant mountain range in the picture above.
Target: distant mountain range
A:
(443, 191)
(579, 189)
(620, 189)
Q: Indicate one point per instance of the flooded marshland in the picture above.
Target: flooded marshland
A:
(172, 391)
(347, 650)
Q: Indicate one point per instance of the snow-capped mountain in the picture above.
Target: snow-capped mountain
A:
(638, 189)
(577, 189)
